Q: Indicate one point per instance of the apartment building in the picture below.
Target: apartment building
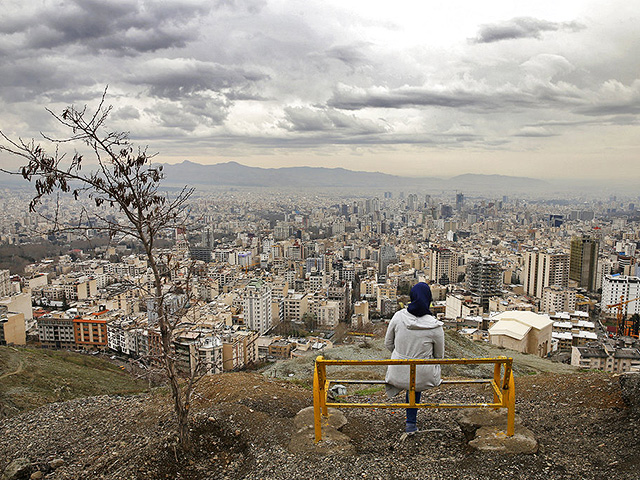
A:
(616, 288)
(56, 331)
(558, 299)
(543, 269)
(90, 332)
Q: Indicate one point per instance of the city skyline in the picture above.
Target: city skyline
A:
(541, 90)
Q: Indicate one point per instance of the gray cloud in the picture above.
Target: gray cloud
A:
(521, 27)
(351, 55)
(379, 97)
(179, 77)
(123, 26)
(613, 98)
(475, 97)
(22, 79)
(304, 119)
(128, 112)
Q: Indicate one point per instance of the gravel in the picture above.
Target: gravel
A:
(242, 424)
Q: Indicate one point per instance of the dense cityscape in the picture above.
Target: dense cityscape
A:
(278, 274)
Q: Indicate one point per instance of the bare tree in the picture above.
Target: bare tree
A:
(118, 190)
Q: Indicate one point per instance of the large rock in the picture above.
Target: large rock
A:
(18, 469)
(303, 439)
(304, 418)
(630, 386)
(494, 439)
(471, 419)
(485, 429)
(333, 441)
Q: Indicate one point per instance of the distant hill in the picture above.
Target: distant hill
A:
(235, 174)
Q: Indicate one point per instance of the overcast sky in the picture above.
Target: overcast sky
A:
(543, 89)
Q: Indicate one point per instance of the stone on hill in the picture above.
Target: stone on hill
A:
(485, 429)
(18, 469)
(630, 386)
(305, 418)
(333, 441)
(56, 463)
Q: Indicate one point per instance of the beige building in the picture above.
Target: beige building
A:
(328, 314)
(360, 317)
(614, 360)
(20, 303)
(542, 269)
(558, 299)
(510, 302)
(295, 306)
(12, 329)
(461, 305)
(522, 331)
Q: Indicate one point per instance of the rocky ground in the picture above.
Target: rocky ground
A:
(243, 422)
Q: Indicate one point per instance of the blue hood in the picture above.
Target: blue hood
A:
(420, 300)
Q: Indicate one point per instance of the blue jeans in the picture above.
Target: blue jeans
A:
(412, 413)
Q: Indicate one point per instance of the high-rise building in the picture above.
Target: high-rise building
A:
(5, 283)
(543, 269)
(387, 257)
(484, 278)
(583, 261)
(558, 299)
(341, 292)
(617, 288)
(256, 305)
(443, 266)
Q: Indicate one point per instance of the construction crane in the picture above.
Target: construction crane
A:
(586, 301)
(626, 327)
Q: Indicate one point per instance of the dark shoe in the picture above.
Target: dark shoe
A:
(411, 428)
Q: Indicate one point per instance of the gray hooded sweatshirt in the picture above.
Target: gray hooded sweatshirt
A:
(410, 337)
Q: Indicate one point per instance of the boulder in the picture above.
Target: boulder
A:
(304, 418)
(630, 386)
(485, 429)
(56, 463)
(470, 419)
(333, 441)
(494, 439)
(18, 469)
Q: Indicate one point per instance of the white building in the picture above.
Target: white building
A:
(542, 269)
(328, 314)
(256, 305)
(526, 332)
(616, 288)
(5, 283)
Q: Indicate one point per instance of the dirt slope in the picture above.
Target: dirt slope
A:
(243, 423)
(30, 378)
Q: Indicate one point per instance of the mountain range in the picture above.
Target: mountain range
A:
(235, 174)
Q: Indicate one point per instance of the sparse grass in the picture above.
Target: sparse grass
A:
(301, 382)
(456, 346)
(54, 375)
(370, 390)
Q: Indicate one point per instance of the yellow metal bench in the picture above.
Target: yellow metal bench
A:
(502, 384)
